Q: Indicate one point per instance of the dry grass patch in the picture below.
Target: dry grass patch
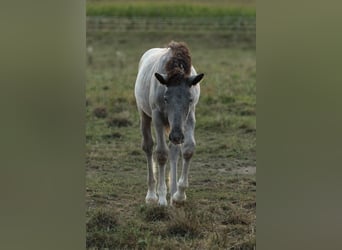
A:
(119, 120)
(155, 213)
(185, 222)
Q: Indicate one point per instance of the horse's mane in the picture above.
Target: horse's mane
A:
(179, 64)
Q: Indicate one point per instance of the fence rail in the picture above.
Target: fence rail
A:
(193, 25)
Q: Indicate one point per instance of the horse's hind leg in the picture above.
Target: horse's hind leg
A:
(147, 146)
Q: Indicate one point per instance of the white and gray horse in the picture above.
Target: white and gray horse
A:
(166, 92)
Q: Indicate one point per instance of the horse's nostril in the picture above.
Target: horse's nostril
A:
(176, 137)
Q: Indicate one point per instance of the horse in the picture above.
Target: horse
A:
(167, 90)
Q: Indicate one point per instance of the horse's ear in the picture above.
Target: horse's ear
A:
(193, 80)
(162, 78)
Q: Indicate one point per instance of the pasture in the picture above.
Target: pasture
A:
(220, 212)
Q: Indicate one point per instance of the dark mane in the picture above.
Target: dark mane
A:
(179, 65)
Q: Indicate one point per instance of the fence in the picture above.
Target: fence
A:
(246, 25)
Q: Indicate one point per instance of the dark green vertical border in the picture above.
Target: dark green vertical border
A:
(42, 145)
(299, 100)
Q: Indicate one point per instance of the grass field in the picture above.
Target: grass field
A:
(220, 212)
(189, 8)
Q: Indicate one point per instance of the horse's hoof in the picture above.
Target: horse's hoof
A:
(151, 199)
(178, 199)
(162, 202)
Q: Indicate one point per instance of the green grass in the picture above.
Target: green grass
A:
(166, 9)
(220, 212)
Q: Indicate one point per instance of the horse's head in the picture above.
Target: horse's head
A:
(178, 100)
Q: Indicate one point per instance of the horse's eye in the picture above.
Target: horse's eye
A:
(191, 100)
(165, 99)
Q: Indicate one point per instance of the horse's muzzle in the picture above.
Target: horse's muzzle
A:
(176, 137)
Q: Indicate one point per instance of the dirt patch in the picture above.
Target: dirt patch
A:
(119, 122)
(100, 112)
(249, 170)
(112, 136)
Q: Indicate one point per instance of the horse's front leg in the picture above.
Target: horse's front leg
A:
(173, 158)
(187, 149)
(162, 152)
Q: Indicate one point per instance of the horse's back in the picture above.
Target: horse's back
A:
(150, 56)
(150, 63)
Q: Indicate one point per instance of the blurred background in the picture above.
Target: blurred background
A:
(221, 207)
